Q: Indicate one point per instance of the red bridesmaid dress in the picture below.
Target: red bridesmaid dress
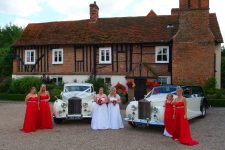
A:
(31, 116)
(181, 128)
(45, 113)
(168, 117)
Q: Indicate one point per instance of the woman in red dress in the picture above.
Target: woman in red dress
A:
(181, 129)
(31, 116)
(45, 112)
(169, 116)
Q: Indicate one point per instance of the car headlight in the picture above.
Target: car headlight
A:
(63, 105)
(133, 108)
(85, 105)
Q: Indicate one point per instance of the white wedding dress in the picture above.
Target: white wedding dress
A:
(100, 119)
(115, 119)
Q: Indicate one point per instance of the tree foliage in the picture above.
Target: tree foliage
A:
(8, 35)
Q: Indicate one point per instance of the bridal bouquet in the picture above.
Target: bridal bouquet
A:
(114, 102)
(99, 101)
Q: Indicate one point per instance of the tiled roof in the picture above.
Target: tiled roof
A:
(107, 30)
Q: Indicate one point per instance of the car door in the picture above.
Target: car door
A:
(193, 102)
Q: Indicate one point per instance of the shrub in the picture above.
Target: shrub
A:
(22, 85)
(121, 90)
(210, 86)
(14, 97)
(54, 90)
(5, 84)
(216, 102)
(97, 83)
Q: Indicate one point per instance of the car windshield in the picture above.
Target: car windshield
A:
(77, 88)
(163, 90)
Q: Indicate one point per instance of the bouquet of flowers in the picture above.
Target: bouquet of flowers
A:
(114, 102)
(150, 84)
(121, 89)
(99, 101)
(130, 84)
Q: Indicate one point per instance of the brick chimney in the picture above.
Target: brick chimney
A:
(94, 12)
(194, 41)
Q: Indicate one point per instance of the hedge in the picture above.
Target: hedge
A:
(217, 102)
(14, 97)
(17, 97)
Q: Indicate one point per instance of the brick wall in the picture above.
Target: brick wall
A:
(193, 49)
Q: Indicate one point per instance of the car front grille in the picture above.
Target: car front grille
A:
(144, 109)
(74, 106)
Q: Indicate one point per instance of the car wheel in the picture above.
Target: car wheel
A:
(58, 120)
(132, 124)
(203, 110)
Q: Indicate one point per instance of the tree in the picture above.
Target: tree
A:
(223, 68)
(8, 35)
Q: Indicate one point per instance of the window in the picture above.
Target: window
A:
(163, 80)
(162, 54)
(57, 56)
(57, 80)
(30, 57)
(108, 81)
(105, 55)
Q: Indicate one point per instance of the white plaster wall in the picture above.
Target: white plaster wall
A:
(80, 78)
(115, 79)
(218, 66)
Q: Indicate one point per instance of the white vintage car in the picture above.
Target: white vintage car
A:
(76, 103)
(150, 110)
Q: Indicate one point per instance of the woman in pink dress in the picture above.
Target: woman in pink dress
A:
(181, 128)
(45, 112)
(31, 122)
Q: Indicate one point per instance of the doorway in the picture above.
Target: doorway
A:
(140, 88)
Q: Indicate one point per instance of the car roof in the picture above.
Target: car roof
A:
(78, 84)
(183, 86)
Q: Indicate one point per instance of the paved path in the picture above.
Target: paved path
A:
(77, 135)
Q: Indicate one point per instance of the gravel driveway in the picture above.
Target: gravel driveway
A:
(75, 135)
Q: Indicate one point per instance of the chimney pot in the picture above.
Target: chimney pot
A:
(94, 12)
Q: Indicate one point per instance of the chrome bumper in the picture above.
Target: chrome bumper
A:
(143, 121)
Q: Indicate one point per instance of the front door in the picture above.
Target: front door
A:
(140, 88)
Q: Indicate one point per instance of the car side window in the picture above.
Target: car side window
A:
(187, 92)
(198, 91)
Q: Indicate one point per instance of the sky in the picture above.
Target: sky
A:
(22, 12)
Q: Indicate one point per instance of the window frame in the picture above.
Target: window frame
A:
(53, 56)
(168, 79)
(100, 55)
(157, 49)
(25, 57)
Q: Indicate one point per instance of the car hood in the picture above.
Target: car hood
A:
(157, 98)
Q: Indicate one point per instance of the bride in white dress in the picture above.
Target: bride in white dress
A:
(115, 119)
(100, 119)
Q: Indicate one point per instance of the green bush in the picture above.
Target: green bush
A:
(23, 85)
(217, 102)
(14, 97)
(210, 86)
(97, 83)
(5, 84)
(54, 91)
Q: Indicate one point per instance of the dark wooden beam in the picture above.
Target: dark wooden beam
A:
(90, 58)
(83, 57)
(75, 65)
(126, 53)
(95, 53)
(86, 58)
(131, 56)
(112, 56)
(117, 58)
